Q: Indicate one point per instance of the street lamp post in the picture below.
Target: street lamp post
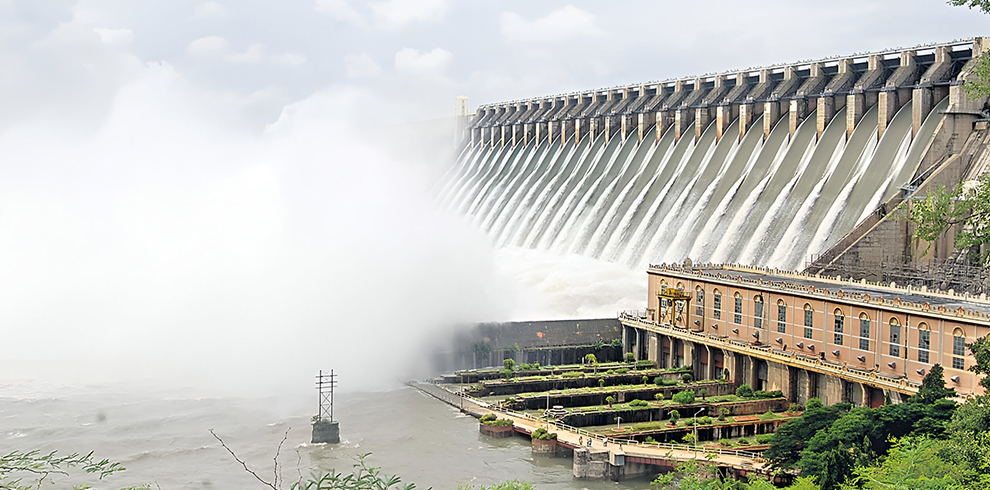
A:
(696, 432)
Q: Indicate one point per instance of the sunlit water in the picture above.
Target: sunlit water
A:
(164, 439)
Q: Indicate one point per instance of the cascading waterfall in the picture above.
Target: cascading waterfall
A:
(770, 201)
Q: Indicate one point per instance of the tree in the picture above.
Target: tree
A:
(933, 387)
(509, 363)
(981, 351)
(703, 393)
(20, 470)
(968, 204)
(674, 416)
(610, 400)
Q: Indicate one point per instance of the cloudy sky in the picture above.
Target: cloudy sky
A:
(194, 188)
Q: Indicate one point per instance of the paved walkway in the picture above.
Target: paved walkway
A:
(570, 436)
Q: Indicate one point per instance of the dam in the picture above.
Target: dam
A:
(766, 167)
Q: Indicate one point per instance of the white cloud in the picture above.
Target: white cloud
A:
(558, 26)
(254, 54)
(114, 36)
(340, 10)
(393, 14)
(431, 63)
(361, 66)
(210, 10)
(288, 59)
(207, 47)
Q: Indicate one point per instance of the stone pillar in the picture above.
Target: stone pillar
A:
(645, 121)
(566, 130)
(628, 121)
(654, 348)
(771, 114)
(527, 133)
(690, 359)
(803, 386)
(855, 106)
(797, 110)
(580, 129)
(745, 118)
(889, 100)
(682, 122)
(723, 117)
(664, 120)
(702, 116)
(779, 378)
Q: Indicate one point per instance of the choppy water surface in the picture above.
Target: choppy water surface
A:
(165, 439)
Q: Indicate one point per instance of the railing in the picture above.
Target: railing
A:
(458, 400)
(902, 384)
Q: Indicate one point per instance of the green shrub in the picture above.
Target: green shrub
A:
(506, 373)
(630, 357)
(706, 420)
(610, 400)
(622, 371)
(489, 417)
(658, 381)
(650, 440)
(743, 442)
(795, 407)
(541, 434)
(658, 397)
(573, 374)
(722, 413)
(674, 416)
(703, 393)
(669, 382)
(599, 344)
(745, 391)
(529, 367)
(688, 438)
(590, 359)
(760, 394)
(492, 420)
(687, 377)
(617, 343)
(764, 438)
(646, 379)
(814, 403)
(644, 362)
(725, 442)
(610, 371)
(509, 363)
(638, 403)
(684, 397)
(601, 383)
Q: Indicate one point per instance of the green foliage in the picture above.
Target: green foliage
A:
(646, 379)
(622, 371)
(509, 363)
(573, 374)
(743, 441)
(506, 373)
(601, 383)
(687, 377)
(21, 470)
(658, 397)
(529, 367)
(590, 359)
(683, 397)
(923, 463)
(792, 436)
(706, 420)
(506, 485)
(650, 440)
(981, 351)
(541, 434)
(703, 393)
(981, 87)
(364, 477)
(610, 400)
(674, 416)
(744, 390)
(599, 344)
(493, 420)
(639, 403)
(933, 387)
(814, 403)
(983, 5)
(488, 417)
(764, 438)
(725, 442)
(722, 413)
(761, 395)
(688, 438)
(630, 357)
(644, 363)
(795, 407)
(617, 343)
(968, 204)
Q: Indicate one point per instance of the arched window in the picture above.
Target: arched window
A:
(839, 326)
(958, 349)
(737, 317)
(809, 320)
(895, 337)
(864, 332)
(700, 300)
(717, 305)
(924, 342)
(781, 316)
(758, 311)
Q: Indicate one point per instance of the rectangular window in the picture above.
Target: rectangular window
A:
(864, 333)
(924, 345)
(737, 318)
(809, 321)
(782, 318)
(758, 314)
(895, 340)
(701, 302)
(958, 349)
(839, 324)
(717, 307)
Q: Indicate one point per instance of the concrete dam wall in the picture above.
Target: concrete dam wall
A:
(766, 167)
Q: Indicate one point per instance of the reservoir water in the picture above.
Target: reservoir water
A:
(163, 438)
